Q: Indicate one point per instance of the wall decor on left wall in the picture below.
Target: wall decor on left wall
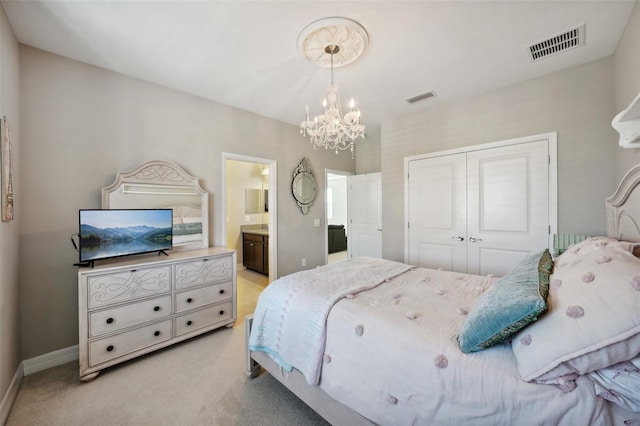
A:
(7, 172)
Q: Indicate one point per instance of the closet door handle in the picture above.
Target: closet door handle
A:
(458, 238)
(474, 240)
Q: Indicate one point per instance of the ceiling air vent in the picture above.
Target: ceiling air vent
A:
(558, 43)
(420, 97)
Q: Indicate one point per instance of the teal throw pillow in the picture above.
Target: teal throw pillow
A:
(516, 300)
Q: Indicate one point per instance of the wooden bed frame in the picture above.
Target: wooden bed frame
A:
(623, 222)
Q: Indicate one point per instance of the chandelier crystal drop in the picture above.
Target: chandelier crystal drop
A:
(333, 130)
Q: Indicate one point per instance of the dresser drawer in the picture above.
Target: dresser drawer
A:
(121, 344)
(106, 289)
(204, 317)
(203, 271)
(109, 320)
(198, 297)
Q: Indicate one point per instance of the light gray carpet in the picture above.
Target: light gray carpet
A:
(200, 381)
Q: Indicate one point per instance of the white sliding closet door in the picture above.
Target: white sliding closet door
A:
(480, 211)
(507, 206)
(438, 213)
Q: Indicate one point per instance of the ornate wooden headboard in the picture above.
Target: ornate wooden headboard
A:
(623, 208)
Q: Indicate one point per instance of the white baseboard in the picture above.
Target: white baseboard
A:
(51, 359)
(10, 396)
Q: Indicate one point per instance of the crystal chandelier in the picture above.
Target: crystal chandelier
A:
(332, 129)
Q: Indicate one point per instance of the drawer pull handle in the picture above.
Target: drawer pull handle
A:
(189, 300)
(157, 333)
(110, 348)
(133, 270)
(156, 308)
(189, 322)
(221, 312)
(222, 291)
(110, 320)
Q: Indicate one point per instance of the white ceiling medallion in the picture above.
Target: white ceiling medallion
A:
(347, 34)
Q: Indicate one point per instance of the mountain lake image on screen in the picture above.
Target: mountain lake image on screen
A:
(114, 233)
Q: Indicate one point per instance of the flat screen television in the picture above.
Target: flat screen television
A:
(122, 232)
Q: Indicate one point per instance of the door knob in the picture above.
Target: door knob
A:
(458, 238)
(473, 240)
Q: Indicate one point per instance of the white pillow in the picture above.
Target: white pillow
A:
(593, 317)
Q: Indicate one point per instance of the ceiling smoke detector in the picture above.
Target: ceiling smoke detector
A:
(558, 43)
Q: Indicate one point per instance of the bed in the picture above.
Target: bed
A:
(554, 341)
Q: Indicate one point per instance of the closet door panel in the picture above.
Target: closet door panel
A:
(508, 205)
(437, 212)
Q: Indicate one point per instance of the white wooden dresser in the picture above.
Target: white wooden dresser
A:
(134, 306)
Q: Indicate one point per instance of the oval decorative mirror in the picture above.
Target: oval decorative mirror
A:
(303, 186)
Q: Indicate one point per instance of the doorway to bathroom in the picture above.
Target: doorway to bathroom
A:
(249, 200)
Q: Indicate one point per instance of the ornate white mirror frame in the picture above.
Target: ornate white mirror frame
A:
(303, 186)
(157, 184)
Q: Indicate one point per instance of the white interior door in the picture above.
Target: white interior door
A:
(507, 205)
(437, 212)
(365, 215)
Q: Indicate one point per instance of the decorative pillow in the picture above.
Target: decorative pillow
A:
(593, 319)
(513, 302)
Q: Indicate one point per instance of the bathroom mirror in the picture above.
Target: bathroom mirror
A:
(303, 186)
(161, 184)
(252, 201)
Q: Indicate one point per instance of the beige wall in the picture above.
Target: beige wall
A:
(9, 243)
(368, 153)
(627, 84)
(577, 103)
(81, 124)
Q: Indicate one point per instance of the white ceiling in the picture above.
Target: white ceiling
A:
(244, 54)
